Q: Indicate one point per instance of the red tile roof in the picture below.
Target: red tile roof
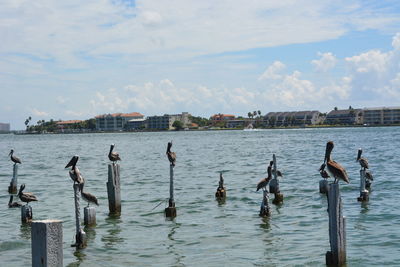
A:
(68, 122)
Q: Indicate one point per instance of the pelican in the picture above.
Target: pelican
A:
(221, 181)
(26, 196)
(334, 169)
(113, 156)
(264, 182)
(74, 173)
(171, 155)
(13, 204)
(87, 196)
(278, 172)
(322, 171)
(363, 161)
(14, 158)
(368, 176)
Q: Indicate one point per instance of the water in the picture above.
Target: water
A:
(205, 232)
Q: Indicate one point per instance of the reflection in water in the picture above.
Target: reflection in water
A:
(171, 246)
(221, 201)
(266, 225)
(364, 207)
(113, 236)
(80, 257)
(90, 234)
(25, 230)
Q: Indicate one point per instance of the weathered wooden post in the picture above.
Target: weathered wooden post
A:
(12, 189)
(170, 211)
(337, 228)
(221, 191)
(274, 184)
(323, 186)
(80, 235)
(364, 194)
(47, 243)
(26, 213)
(114, 189)
(264, 209)
(89, 216)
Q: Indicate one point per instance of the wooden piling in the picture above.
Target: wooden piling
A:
(26, 213)
(337, 228)
(278, 198)
(323, 186)
(89, 216)
(12, 189)
(264, 209)
(364, 194)
(47, 243)
(221, 191)
(80, 235)
(170, 211)
(114, 189)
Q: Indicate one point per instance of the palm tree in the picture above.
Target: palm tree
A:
(259, 113)
(249, 115)
(254, 113)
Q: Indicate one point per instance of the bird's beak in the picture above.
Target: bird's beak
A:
(359, 154)
(10, 153)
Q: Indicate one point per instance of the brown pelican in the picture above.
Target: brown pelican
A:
(334, 169)
(171, 155)
(322, 171)
(363, 161)
(87, 196)
(13, 204)
(264, 182)
(113, 156)
(74, 173)
(221, 181)
(368, 176)
(26, 196)
(14, 158)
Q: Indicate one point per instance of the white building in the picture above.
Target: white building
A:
(115, 121)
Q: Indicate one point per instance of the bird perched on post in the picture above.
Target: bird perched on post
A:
(74, 173)
(322, 171)
(12, 204)
(14, 158)
(363, 161)
(278, 172)
(334, 169)
(368, 176)
(113, 156)
(90, 198)
(171, 155)
(26, 196)
(264, 182)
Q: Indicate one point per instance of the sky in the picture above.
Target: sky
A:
(77, 59)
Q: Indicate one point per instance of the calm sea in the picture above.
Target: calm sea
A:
(205, 232)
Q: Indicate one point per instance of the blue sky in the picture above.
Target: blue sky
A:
(77, 59)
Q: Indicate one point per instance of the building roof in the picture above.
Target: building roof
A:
(292, 113)
(68, 122)
(222, 115)
(132, 114)
(342, 112)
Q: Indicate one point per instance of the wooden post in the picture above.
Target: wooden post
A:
(12, 189)
(80, 235)
(264, 209)
(114, 189)
(221, 191)
(170, 211)
(26, 213)
(47, 243)
(274, 184)
(323, 186)
(89, 216)
(337, 228)
(364, 194)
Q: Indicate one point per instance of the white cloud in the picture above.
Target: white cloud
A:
(37, 112)
(272, 72)
(326, 62)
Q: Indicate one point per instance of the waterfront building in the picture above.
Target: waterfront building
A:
(68, 126)
(218, 118)
(381, 116)
(115, 121)
(136, 124)
(4, 127)
(165, 122)
(293, 118)
(239, 123)
(344, 116)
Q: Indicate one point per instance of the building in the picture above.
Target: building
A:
(166, 121)
(381, 116)
(239, 123)
(293, 118)
(68, 126)
(4, 127)
(218, 118)
(344, 116)
(135, 124)
(115, 121)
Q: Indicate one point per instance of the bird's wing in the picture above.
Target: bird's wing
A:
(338, 171)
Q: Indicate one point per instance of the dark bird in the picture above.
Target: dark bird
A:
(13, 204)
(334, 169)
(74, 173)
(264, 182)
(278, 172)
(322, 171)
(113, 156)
(14, 158)
(90, 198)
(171, 155)
(26, 196)
(368, 176)
(221, 181)
(363, 161)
